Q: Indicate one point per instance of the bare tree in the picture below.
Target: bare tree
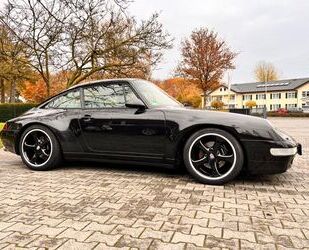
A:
(265, 72)
(102, 37)
(84, 37)
(205, 58)
(39, 27)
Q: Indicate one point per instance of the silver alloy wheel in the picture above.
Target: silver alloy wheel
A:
(37, 147)
(212, 156)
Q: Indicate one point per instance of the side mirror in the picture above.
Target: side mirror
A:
(138, 104)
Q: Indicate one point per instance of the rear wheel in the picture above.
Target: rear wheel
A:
(213, 156)
(39, 148)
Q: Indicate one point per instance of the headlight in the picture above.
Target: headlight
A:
(280, 133)
(283, 135)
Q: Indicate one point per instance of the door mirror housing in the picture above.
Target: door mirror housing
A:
(138, 104)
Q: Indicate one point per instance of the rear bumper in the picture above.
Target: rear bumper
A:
(8, 140)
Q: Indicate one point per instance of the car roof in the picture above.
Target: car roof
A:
(89, 83)
(103, 81)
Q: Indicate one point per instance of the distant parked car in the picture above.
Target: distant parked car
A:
(282, 111)
(131, 120)
(305, 109)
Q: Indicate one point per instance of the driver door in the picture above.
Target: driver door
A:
(110, 128)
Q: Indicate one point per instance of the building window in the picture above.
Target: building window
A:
(231, 106)
(290, 106)
(275, 96)
(217, 98)
(261, 96)
(305, 94)
(247, 97)
(290, 95)
(260, 106)
(275, 107)
(232, 97)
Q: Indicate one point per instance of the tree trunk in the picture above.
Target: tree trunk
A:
(205, 99)
(13, 91)
(2, 91)
(48, 89)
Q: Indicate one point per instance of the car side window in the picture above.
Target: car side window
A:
(104, 96)
(130, 96)
(69, 100)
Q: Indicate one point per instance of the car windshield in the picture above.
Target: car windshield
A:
(155, 96)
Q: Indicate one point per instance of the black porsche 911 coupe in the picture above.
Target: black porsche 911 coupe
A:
(132, 120)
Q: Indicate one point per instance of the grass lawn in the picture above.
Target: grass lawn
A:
(1, 126)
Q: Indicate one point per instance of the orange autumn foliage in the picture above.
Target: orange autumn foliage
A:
(37, 92)
(182, 90)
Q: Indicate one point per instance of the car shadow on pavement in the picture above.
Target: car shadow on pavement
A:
(163, 172)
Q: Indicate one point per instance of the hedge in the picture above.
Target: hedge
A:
(11, 110)
(289, 114)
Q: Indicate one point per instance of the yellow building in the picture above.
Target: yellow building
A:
(291, 94)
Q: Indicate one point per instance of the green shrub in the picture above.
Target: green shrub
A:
(11, 110)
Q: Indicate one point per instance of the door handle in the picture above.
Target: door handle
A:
(87, 118)
(106, 127)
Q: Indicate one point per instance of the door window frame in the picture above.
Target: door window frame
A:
(120, 83)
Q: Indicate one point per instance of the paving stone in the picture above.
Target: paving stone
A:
(106, 207)
(214, 231)
(75, 234)
(47, 243)
(74, 245)
(105, 238)
(94, 226)
(153, 234)
(22, 228)
(155, 225)
(157, 244)
(20, 239)
(128, 241)
(167, 226)
(198, 240)
(229, 234)
(133, 232)
(77, 225)
(48, 231)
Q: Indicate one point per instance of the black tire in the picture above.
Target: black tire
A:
(199, 172)
(54, 157)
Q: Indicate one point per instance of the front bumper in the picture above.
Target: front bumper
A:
(270, 157)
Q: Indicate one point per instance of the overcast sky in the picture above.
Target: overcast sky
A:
(275, 31)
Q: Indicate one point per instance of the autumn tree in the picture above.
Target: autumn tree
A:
(37, 25)
(265, 72)
(36, 92)
(250, 104)
(205, 58)
(84, 37)
(183, 90)
(217, 104)
(14, 65)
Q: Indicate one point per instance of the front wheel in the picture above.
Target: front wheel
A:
(213, 156)
(39, 148)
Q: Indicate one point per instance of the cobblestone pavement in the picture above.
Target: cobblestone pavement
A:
(99, 206)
